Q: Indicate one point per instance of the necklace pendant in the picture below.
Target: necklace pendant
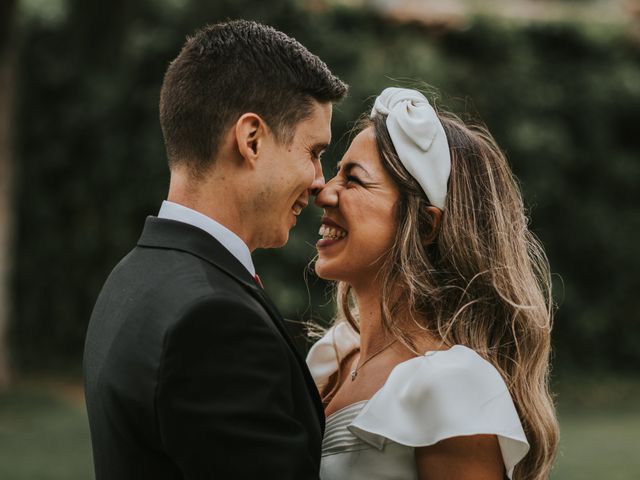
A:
(354, 374)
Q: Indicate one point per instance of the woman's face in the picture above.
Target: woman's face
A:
(359, 222)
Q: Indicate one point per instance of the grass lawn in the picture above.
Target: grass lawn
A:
(603, 445)
(44, 433)
(599, 429)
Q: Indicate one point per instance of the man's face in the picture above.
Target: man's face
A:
(290, 174)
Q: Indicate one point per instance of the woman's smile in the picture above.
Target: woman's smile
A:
(331, 233)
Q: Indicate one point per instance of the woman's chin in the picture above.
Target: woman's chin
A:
(325, 271)
(322, 274)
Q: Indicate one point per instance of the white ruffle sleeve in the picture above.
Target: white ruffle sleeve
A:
(325, 355)
(441, 395)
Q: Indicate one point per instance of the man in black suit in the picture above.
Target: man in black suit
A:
(189, 371)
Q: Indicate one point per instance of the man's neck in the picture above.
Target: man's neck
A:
(215, 198)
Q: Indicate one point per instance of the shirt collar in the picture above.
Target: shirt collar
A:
(228, 239)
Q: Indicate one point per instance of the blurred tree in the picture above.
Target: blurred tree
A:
(562, 100)
(7, 71)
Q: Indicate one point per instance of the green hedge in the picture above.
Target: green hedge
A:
(563, 100)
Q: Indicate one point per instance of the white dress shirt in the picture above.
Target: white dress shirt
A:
(228, 239)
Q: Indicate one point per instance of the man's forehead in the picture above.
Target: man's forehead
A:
(320, 118)
(315, 130)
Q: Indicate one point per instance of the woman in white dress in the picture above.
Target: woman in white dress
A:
(437, 364)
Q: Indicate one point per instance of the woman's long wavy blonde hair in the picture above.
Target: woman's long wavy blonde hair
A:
(483, 283)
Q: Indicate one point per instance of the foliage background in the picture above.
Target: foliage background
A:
(563, 100)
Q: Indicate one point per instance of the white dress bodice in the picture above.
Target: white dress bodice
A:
(426, 399)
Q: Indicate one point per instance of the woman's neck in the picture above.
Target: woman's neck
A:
(373, 335)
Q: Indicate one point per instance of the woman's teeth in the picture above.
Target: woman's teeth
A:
(331, 233)
(296, 209)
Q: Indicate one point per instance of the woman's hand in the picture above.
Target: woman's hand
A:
(474, 457)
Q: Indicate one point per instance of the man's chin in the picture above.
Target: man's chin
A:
(278, 241)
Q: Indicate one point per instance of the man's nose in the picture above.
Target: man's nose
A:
(318, 180)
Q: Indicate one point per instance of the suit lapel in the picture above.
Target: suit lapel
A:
(173, 235)
(311, 385)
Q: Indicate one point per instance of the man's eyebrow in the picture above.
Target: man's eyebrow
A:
(350, 165)
(319, 147)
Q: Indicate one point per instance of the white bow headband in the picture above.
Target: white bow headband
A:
(419, 139)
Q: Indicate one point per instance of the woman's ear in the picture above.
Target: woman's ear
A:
(435, 216)
(250, 131)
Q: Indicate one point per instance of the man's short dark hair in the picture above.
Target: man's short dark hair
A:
(235, 67)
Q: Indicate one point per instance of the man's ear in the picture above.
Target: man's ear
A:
(435, 215)
(250, 132)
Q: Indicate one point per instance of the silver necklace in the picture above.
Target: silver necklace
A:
(354, 372)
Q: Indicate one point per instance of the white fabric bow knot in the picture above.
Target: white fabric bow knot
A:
(419, 139)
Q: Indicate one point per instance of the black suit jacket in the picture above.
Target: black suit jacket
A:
(189, 371)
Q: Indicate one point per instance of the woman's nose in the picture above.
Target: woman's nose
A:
(327, 196)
